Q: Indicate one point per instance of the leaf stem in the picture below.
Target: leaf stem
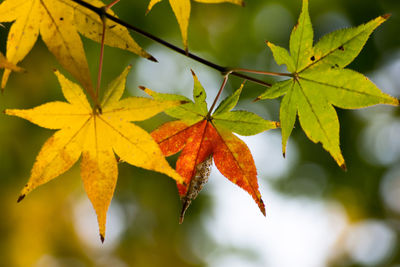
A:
(221, 69)
(219, 93)
(262, 72)
(103, 37)
(112, 4)
(101, 56)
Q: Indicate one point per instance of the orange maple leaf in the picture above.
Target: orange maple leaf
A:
(201, 135)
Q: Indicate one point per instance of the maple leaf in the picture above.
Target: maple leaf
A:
(181, 9)
(199, 135)
(319, 81)
(58, 22)
(97, 135)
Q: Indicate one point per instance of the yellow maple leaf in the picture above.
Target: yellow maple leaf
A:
(58, 22)
(181, 9)
(96, 134)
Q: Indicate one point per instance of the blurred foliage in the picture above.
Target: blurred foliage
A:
(52, 227)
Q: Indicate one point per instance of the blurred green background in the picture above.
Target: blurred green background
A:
(317, 215)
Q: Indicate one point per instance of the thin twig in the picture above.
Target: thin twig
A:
(221, 69)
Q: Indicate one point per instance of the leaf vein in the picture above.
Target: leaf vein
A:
(340, 87)
(65, 42)
(330, 52)
(315, 114)
(175, 134)
(237, 162)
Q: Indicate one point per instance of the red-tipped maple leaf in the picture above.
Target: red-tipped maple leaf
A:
(201, 135)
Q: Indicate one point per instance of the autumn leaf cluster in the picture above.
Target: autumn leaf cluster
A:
(102, 133)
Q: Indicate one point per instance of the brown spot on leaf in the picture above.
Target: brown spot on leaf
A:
(312, 58)
(341, 48)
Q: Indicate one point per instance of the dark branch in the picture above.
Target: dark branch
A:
(221, 69)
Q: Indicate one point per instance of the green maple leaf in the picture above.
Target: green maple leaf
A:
(319, 81)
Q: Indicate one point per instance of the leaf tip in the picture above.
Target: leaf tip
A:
(262, 207)
(147, 90)
(10, 112)
(284, 154)
(277, 124)
(56, 71)
(386, 16)
(194, 74)
(242, 85)
(102, 238)
(185, 206)
(20, 198)
(151, 58)
(181, 218)
(257, 99)
(343, 167)
(243, 3)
